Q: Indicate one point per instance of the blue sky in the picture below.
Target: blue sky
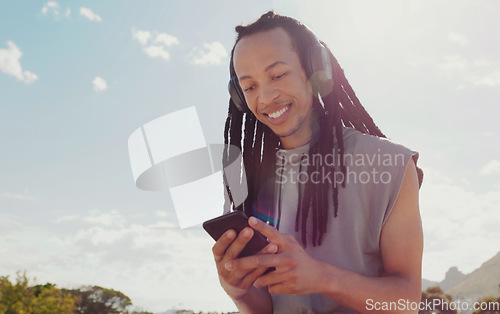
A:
(428, 72)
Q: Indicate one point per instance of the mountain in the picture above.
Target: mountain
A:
(452, 278)
(480, 283)
(428, 283)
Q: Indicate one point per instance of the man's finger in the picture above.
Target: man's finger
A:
(267, 230)
(251, 277)
(222, 243)
(271, 248)
(238, 244)
(248, 276)
(279, 288)
(256, 261)
(272, 278)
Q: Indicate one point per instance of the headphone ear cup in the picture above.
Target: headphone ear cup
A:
(320, 70)
(237, 95)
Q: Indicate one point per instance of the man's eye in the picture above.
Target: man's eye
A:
(280, 76)
(249, 89)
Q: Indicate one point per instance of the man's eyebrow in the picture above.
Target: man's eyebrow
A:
(269, 67)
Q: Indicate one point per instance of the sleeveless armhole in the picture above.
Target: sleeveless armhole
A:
(398, 180)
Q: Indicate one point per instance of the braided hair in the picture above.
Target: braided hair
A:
(339, 108)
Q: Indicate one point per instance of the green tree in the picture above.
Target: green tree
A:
(20, 298)
(39, 288)
(15, 298)
(53, 300)
(435, 293)
(95, 299)
(491, 305)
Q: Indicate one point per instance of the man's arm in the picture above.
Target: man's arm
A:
(255, 301)
(401, 249)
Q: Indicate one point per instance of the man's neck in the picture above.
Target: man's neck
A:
(294, 144)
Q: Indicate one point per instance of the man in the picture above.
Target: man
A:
(342, 245)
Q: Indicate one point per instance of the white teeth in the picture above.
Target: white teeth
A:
(278, 114)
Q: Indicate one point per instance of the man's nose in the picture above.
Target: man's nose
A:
(267, 94)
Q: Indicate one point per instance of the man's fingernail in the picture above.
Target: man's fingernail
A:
(246, 233)
(271, 248)
(253, 220)
(228, 265)
(230, 234)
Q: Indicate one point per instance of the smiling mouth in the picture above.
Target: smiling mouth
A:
(279, 113)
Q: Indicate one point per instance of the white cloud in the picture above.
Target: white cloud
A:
(89, 14)
(162, 41)
(482, 63)
(488, 79)
(416, 60)
(212, 53)
(52, 7)
(459, 224)
(157, 51)
(167, 40)
(30, 77)
(453, 63)
(98, 217)
(16, 196)
(141, 36)
(164, 225)
(67, 218)
(458, 39)
(490, 134)
(10, 64)
(101, 235)
(95, 217)
(161, 213)
(99, 84)
(138, 259)
(479, 72)
(493, 167)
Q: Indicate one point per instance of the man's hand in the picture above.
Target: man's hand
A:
(296, 271)
(237, 283)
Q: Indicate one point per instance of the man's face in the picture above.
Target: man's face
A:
(275, 86)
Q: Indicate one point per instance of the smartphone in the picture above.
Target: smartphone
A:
(237, 221)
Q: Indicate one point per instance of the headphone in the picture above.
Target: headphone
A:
(318, 70)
